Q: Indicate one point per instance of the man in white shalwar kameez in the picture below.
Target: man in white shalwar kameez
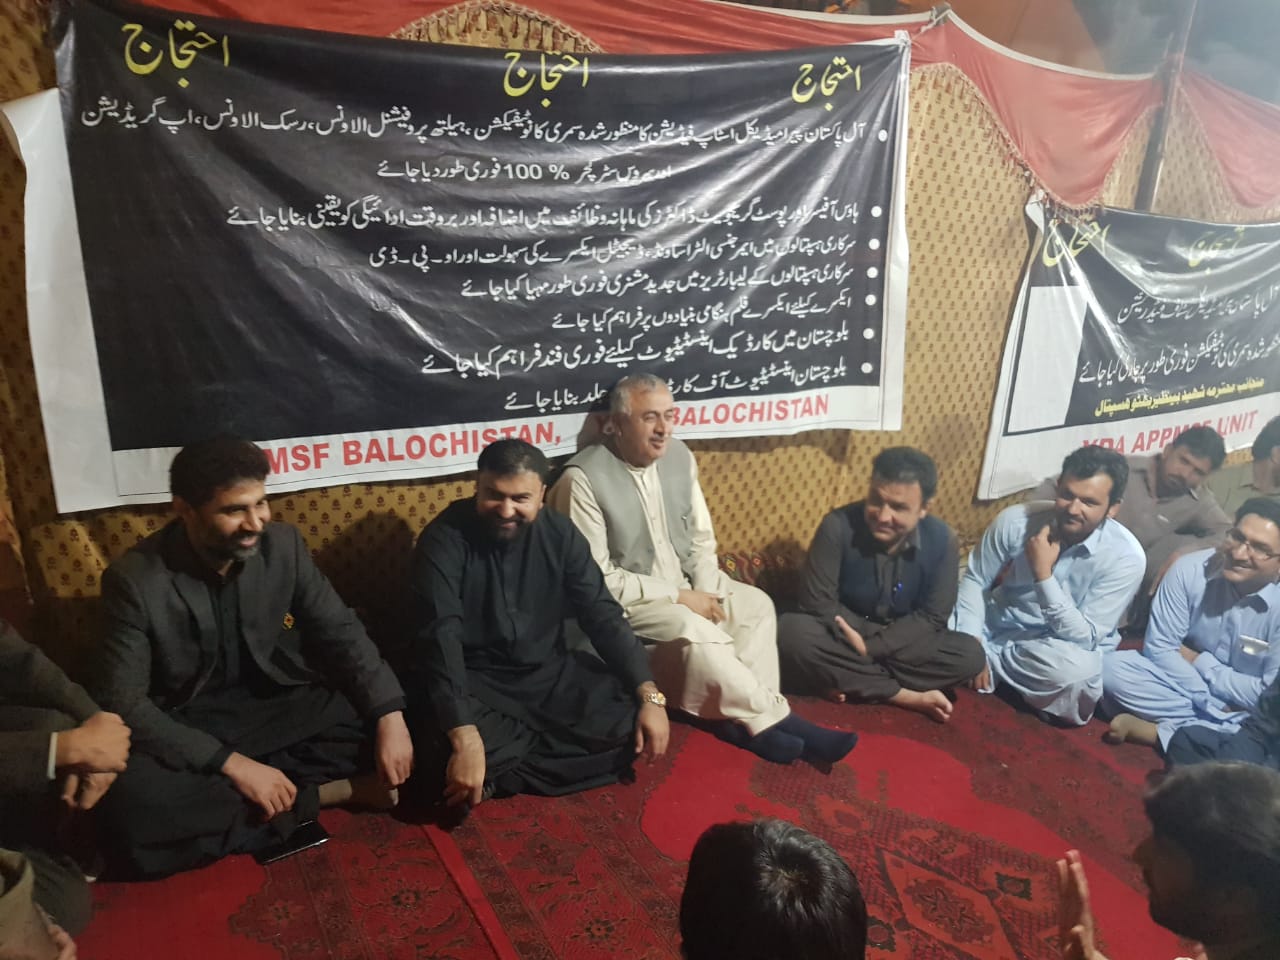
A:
(712, 641)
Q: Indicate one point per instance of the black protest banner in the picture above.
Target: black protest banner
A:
(1129, 328)
(375, 256)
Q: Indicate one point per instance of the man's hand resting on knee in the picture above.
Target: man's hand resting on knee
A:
(464, 776)
(705, 605)
(258, 783)
(100, 744)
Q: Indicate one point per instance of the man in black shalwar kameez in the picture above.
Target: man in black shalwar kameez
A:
(497, 696)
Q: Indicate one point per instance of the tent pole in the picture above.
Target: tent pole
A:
(1171, 73)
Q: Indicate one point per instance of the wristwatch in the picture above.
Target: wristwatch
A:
(655, 697)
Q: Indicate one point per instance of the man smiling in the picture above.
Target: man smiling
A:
(254, 693)
(712, 642)
(879, 585)
(1047, 586)
(500, 705)
(1213, 641)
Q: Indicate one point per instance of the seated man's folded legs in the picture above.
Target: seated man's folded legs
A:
(1060, 679)
(816, 663)
(1145, 703)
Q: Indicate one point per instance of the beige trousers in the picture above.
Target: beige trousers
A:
(24, 935)
(724, 671)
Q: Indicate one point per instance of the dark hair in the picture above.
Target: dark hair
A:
(506, 458)
(1263, 507)
(1085, 462)
(202, 469)
(767, 889)
(907, 465)
(1268, 439)
(1226, 817)
(1203, 442)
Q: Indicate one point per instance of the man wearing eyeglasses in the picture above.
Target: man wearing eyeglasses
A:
(1213, 642)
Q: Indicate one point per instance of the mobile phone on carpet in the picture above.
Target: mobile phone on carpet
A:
(305, 836)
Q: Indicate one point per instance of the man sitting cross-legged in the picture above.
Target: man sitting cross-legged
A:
(879, 586)
(1213, 640)
(712, 642)
(59, 753)
(250, 687)
(499, 704)
(1047, 586)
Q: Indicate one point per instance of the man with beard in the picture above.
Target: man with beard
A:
(1046, 587)
(251, 689)
(1211, 865)
(879, 585)
(1167, 507)
(1213, 640)
(500, 705)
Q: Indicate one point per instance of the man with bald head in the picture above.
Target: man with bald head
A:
(712, 642)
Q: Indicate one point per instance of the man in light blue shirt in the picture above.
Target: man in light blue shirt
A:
(1213, 642)
(1047, 586)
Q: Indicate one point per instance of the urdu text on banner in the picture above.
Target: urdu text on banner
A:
(1128, 329)
(375, 256)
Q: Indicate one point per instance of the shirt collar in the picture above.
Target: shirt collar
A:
(1090, 543)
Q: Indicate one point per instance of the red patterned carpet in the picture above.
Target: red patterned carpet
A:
(951, 829)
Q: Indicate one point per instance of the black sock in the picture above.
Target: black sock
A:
(772, 744)
(826, 746)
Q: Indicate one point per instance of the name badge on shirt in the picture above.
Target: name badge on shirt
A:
(1254, 646)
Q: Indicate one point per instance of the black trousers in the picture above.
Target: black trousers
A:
(1252, 743)
(814, 662)
(161, 820)
(29, 825)
(577, 735)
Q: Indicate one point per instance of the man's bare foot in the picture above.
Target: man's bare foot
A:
(835, 696)
(932, 703)
(367, 791)
(1126, 728)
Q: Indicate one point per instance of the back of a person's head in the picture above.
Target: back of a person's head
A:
(1226, 818)
(768, 890)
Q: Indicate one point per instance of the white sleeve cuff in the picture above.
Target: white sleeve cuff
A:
(51, 768)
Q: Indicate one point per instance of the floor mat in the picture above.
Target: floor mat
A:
(952, 830)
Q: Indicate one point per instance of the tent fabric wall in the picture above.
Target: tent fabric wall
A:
(967, 185)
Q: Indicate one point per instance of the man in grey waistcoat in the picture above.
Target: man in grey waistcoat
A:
(712, 641)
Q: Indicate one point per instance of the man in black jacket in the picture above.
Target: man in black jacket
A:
(251, 688)
(879, 586)
(55, 745)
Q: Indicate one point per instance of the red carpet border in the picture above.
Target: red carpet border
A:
(952, 830)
